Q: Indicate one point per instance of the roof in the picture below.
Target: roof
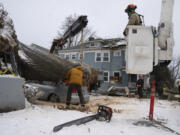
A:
(117, 44)
(105, 43)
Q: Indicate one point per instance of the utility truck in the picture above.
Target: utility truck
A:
(148, 46)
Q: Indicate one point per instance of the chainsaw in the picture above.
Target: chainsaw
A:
(104, 113)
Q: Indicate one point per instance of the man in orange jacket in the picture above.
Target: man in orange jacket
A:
(75, 77)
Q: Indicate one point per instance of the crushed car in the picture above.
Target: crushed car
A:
(53, 92)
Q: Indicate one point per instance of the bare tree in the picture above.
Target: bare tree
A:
(87, 32)
(174, 68)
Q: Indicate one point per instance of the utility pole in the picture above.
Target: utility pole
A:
(82, 47)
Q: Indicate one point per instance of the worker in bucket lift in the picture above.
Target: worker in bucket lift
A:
(139, 86)
(134, 18)
(75, 79)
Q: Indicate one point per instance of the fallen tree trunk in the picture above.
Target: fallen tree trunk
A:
(38, 65)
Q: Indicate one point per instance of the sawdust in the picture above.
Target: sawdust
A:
(95, 101)
(107, 100)
(92, 105)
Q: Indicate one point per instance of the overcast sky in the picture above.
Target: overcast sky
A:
(37, 21)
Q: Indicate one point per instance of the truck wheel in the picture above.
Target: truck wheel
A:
(54, 98)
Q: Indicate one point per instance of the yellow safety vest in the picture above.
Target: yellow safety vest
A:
(6, 70)
(179, 82)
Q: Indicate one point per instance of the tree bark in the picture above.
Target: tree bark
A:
(36, 63)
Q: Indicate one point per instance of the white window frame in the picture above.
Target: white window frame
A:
(96, 56)
(117, 53)
(107, 76)
(102, 56)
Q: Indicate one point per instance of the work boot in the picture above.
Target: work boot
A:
(83, 108)
(67, 107)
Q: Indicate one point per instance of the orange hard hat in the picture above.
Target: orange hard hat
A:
(130, 7)
(55, 40)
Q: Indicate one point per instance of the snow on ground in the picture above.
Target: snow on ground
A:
(40, 120)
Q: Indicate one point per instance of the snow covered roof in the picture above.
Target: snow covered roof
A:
(117, 44)
(104, 43)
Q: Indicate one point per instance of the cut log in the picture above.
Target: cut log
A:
(60, 106)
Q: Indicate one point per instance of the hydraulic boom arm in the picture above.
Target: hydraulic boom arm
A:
(74, 29)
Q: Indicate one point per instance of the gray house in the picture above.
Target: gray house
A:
(107, 55)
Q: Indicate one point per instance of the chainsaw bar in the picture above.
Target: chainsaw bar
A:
(104, 113)
(75, 122)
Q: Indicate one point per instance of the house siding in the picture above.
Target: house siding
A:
(115, 63)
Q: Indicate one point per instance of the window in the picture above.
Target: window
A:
(105, 57)
(117, 77)
(133, 78)
(98, 57)
(106, 76)
(67, 56)
(117, 53)
(73, 56)
(62, 55)
(102, 57)
(92, 44)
